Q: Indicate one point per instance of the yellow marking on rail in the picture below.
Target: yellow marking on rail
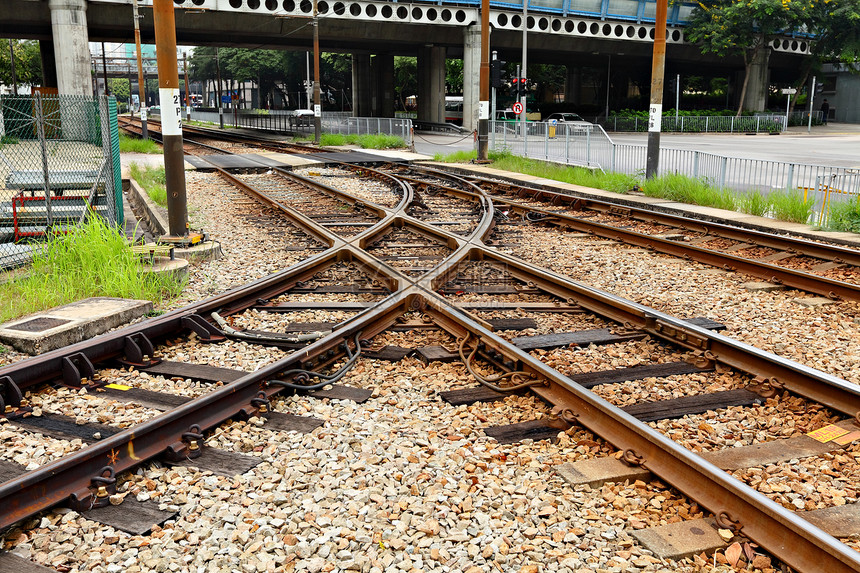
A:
(131, 453)
(847, 438)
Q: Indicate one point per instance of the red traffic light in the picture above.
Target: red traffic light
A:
(515, 81)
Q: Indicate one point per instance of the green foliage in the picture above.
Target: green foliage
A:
(754, 203)
(129, 144)
(28, 63)
(119, 88)
(685, 189)
(456, 157)
(454, 76)
(845, 216)
(93, 260)
(153, 181)
(371, 141)
(789, 205)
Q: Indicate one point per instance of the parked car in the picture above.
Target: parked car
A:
(568, 118)
(506, 115)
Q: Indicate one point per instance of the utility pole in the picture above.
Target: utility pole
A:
(187, 87)
(141, 81)
(171, 121)
(811, 97)
(317, 103)
(12, 60)
(655, 112)
(218, 88)
(484, 85)
(104, 69)
(523, 95)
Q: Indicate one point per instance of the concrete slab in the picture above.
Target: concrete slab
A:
(598, 471)
(70, 323)
(205, 251)
(289, 160)
(682, 539)
(397, 154)
(165, 265)
(760, 286)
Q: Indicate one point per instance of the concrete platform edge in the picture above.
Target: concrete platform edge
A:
(147, 207)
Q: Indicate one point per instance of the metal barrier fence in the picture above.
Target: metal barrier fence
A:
(59, 157)
(764, 123)
(590, 146)
(332, 122)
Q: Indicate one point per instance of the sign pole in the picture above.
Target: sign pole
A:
(317, 104)
(141, 83)
(484, 84)
(171, 119)
(655, 111)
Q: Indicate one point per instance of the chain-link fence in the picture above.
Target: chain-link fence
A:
(59, 157)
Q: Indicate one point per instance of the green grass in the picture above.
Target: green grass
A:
(845, 216)
(135, 145)
(456, 157)
(692, 190)
(370, 141)
(788, 205)
(93, 260)
(152, 180)
(754, 203)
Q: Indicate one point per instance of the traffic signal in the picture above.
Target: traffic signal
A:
(515, 87)
(819, 87)
(496, 73)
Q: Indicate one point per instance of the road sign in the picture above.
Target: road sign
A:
(788, 91)
(517, 107)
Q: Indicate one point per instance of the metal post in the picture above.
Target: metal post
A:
(40, 130)
(104, 70)
(12, 61)
(218, 88)
(187, 88)
(141, 81)
(524, 95)
(484, 83)
(608, 77)
(317, 103)
(171, 118)
(787, 107)
(811, 97)
(655, 113)
(677, 97)
(493, 92)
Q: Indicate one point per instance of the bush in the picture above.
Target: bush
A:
(845, 216)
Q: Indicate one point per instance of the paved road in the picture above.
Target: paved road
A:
(833, 145)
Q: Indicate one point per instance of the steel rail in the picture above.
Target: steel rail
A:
(804, 281)
(580, 201)
(778, 530)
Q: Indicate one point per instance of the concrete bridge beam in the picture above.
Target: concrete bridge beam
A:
(69, 27)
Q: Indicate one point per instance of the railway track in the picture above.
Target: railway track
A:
(410, 273)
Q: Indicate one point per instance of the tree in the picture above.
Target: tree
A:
(28, 63)
(746, 28)
(405, 78)
(454, 76)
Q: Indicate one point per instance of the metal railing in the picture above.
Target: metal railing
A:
(332, 122)
(762, 123)
(590, 146)
(59, 158)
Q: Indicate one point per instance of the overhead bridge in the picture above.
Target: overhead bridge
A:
(593, 38)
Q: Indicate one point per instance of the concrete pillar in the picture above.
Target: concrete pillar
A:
(471, 76)
(362, 87)
(431, 84)
(69, 26)
(383, 72)
(755, 98)
(573, 85)
(49, 65)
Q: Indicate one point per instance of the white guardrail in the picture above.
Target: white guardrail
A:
(589, 146)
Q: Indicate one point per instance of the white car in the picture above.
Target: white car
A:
(568, 118)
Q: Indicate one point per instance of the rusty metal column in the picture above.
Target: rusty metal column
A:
(171, 118)
(141, 83)
(317, 104)
(12, 61)
(104, 70)
(655, 111)
(484, 85)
